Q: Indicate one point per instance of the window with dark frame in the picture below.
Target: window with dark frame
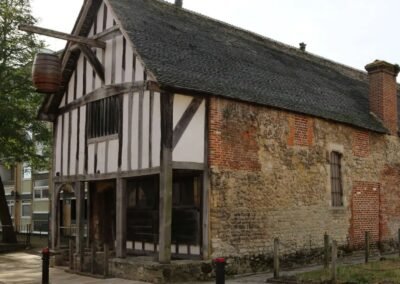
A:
(336, 179)
(103, 117)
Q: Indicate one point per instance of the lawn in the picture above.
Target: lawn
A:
(385, 271)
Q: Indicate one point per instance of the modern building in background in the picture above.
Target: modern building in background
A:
(27, 194)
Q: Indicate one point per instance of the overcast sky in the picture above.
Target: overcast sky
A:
(352, 32)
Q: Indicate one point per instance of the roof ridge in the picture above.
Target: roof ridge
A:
(289, 49)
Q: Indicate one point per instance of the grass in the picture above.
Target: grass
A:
(373, 272)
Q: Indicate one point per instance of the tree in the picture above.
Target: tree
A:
(20, 132)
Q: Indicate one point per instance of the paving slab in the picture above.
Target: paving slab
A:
(24, 268)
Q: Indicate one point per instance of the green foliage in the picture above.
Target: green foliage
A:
(20, 132)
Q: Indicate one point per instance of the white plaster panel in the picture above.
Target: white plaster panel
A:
(125, 122)
(101, 157)
(146, 129)
(65, 144)
(58, 144)
(118, 63)
(81, 166)
(190, 147)
(129, 73)
(91, 148)
(135, 132)
(74, 141)
(63, 100)
(108, 61)
(79, 81)
(156, 129)
(139, 72)
(112, 165)
(110, 18)
(180, 105)
(100, 14)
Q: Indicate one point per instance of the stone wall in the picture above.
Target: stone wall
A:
(270, 177)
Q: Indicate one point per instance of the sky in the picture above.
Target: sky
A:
(351, 32)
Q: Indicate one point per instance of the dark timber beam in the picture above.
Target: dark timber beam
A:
(186, 118)
(60, 35)
(80, 208)
(121, 218)
(166, 106)
(92, 58)
(107, 34)
(102, 93)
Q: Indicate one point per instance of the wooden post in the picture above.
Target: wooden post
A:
(71, 254)
(276, 258)
(54, 216)
(106, 250)
(93, 258)
(166, 106)
(121, 218)
(398, 245)
(326, 250)
(334, 258)
(366, 247)
(80, 207)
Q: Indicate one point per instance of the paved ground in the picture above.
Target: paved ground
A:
(22, 267)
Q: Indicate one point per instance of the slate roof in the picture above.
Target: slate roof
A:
(188, 51)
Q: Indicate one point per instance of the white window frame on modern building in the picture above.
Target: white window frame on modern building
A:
(25, 203)
(27, 172)
(41, 188)
(11, 203)
(33, 223)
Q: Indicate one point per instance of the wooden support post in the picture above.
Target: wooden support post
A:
(93, 258)
(106, 251)
(121, 218)
(276, 258)
(166, 178)
(398, 244)
(326, 250)
(334, 259)
(80, 207)
(366, 247)
(54, 216)
(71, 254)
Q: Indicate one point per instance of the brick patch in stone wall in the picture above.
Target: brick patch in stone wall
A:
(365, 212)
(301, 131)
(232, 136)
(360, 143)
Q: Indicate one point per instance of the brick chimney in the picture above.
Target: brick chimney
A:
(383, 93)
(179, 3)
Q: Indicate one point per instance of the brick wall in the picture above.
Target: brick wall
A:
(383, 93)
(301, 130)
(232, 141)
(263, 186)
(365, 212)
(360, 143)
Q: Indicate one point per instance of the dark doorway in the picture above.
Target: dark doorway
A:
(102, 196)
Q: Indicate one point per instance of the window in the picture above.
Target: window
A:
(41, 192)
(103, 117)
(27, 172)
(26, 209)
(336, 179)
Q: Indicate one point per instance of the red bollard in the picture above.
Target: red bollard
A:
(45, 265)
(220, 270)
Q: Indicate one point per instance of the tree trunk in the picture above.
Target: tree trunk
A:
(8, 233)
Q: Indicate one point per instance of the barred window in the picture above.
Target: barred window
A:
(336, 179)
(103, 117)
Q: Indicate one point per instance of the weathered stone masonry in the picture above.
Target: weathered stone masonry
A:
(270, 177)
